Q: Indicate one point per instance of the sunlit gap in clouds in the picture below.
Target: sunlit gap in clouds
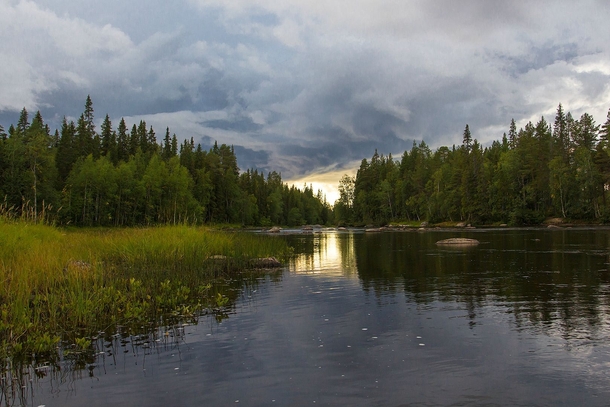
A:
(327, 182)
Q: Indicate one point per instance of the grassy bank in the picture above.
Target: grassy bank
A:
(64, 286)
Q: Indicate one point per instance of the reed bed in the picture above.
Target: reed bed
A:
(66, 286)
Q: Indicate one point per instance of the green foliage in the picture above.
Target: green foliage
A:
(67, 285)
(122, 178)
(535, 172)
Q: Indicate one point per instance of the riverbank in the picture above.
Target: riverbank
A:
(64, 286)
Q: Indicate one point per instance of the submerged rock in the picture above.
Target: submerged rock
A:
(265, 263)
(458, 241)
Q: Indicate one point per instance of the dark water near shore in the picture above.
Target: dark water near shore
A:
(385, 319)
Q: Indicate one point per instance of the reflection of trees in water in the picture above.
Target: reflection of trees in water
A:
(60, 372)
(21, 379)
(555, 281)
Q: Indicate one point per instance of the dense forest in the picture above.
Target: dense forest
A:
(124, 177)
(536, 172)
(120, 177)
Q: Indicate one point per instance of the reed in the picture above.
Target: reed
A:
(64, 286)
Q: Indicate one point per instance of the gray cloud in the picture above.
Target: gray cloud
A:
(297, 86)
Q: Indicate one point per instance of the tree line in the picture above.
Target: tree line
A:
(536, 172)
(120, 177)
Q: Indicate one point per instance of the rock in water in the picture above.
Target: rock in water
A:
(265, 263)
(458, 241)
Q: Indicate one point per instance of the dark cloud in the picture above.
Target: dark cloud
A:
(537, 57)
(248, 158)
(296, 86)
(337, 148)
(243, 124)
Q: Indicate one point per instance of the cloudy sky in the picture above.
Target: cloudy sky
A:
(307, 87)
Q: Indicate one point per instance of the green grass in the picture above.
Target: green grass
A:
(63, 286)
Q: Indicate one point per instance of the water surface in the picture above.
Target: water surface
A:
(383, 319)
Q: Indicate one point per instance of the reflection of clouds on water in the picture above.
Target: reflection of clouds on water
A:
(497, 330)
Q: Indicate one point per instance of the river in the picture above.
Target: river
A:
(381, 319)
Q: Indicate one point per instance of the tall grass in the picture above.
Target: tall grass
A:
(61, 285)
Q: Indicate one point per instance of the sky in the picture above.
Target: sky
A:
(307, 88)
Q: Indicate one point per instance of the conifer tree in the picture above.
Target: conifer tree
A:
(23, 124)
(166, 152)
(106, 137)
(467, 140)
(512, 134)
(134, 140)
(122, 141)
(66, 150)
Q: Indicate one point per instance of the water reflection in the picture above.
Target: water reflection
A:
(383, 319)
(557, 281)
(329, 253)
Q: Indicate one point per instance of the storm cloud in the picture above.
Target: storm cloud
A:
(301, 86)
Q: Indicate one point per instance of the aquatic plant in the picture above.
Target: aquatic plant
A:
(61, 286)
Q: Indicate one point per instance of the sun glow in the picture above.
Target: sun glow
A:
(327, 182)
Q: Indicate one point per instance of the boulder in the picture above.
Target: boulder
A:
(265, 263)
(275, 229)
(458, 241)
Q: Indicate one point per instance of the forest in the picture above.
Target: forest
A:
(120, 177)
(534, 173)
(126, 177)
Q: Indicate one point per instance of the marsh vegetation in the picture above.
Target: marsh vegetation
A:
(60, 289)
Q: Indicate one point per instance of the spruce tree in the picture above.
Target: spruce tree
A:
(512, 134)
(66, 151)
(23, 124)
(122, 141)
(167, 146)
(467, 141)
(106, 136)
(134, 140)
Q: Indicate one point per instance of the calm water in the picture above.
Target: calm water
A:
(385, 319)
